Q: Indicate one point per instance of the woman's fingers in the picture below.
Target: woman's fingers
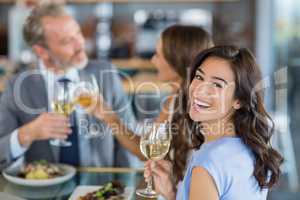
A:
(161, 168)
(148, 163)
(164, 164)
(147, 171)
(161, 172)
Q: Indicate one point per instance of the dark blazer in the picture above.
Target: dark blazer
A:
(97, 151)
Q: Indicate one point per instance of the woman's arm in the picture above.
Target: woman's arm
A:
(202, 185)
(123, 134)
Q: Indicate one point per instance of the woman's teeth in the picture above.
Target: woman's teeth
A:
(201, 104)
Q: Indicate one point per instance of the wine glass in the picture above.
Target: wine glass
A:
(85, 97)
(62, 103)
(86, 91)
(154, 145)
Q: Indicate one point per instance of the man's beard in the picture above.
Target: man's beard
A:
(66, 66)
(81, 65)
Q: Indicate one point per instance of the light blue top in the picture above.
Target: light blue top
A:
(230, 163)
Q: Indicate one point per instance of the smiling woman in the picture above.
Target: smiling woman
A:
(230, 129)
(226, 104)
(212, 91)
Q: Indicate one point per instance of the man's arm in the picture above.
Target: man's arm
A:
(15, 137)
(8, 124)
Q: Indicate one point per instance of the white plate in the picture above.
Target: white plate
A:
(83, 190)
(9, 196)
(11, 175)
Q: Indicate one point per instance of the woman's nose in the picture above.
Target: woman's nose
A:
(202, 89)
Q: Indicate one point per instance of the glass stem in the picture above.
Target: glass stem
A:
(149, 185)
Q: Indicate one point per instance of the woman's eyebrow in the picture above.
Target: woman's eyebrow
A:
(218, 78)
(214, 77)
(200, 70)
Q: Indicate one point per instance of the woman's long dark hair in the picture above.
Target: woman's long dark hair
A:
(180, 45)
(252, 123)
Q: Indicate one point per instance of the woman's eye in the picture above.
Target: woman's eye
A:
(199, 77)
(218, 85)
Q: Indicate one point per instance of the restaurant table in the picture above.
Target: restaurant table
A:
(84, 176)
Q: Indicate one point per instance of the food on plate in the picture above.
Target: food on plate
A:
(110, 191)
(39, 170)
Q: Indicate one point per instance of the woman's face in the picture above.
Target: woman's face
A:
(165, 71)
(212, 91)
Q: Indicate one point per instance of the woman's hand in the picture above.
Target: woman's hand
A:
(101, 110)
(161, 172)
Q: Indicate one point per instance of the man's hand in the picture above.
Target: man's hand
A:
(46, 126)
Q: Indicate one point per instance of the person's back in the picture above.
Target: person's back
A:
(231, 165)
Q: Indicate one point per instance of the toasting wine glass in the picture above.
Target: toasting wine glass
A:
(62, 103)
(85, 96)
(154, 145)
(86, 91)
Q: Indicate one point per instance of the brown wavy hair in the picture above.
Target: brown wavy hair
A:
(180, 45)
(252, 123)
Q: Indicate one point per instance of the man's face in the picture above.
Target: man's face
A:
(65, 43)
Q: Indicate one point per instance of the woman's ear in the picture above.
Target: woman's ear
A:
(236, 104)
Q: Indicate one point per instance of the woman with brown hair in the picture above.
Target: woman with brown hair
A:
(175, 51)
(176, 48)
(239, 163)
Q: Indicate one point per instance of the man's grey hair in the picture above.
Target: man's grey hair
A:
(33, 30)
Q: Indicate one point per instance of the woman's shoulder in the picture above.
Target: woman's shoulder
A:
(223, 159)
(221, 151)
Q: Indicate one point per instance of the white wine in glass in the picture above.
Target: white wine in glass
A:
(62, 103)
(154, 145)
(155, 151)
(85, 98)
(86, 91)
(64, 108)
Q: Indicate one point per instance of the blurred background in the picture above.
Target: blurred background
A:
(125, 32)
